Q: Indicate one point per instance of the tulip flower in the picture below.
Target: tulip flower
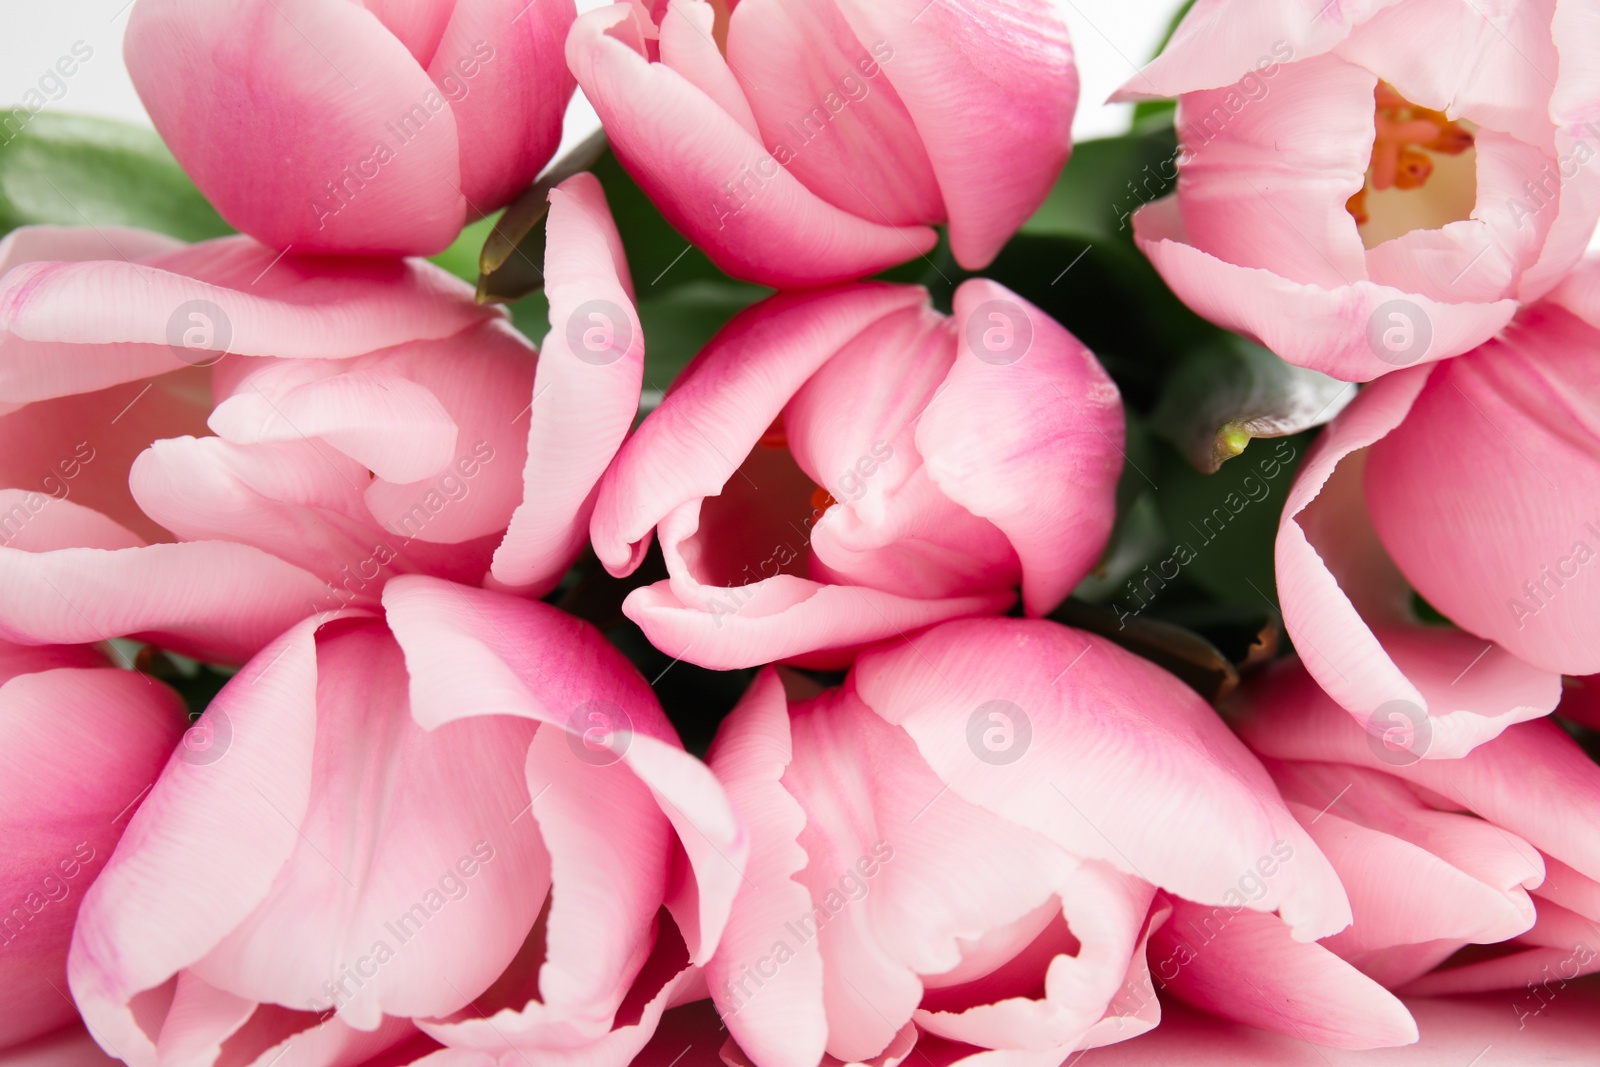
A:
(840, 467)
(1358, 203)
(80, 744)
(366, 419)
(465, 815)
(376, 128)
(803, 142)
(965, 840)
(1496, 848)
(1485, 466)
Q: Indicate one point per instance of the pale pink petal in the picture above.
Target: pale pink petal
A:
(688, 47)
(585, 392)
(1100, 773)
(1495, 66)
(1520, 415)
(784, 617)
(76, 327)
(210, 599)
(531, 661)
(1347, 607)
(303, 503)
(778, 1019)
(185, 824)
(1245, 966)
(80, 448)
(1288, 717)
(25, 244)
(1033, 444)
(983, 82)
(688, 153)
(414, 881)
(1323, 329)
(277, 109)
(500, 64)
(1481, 258)
(690, 446)
(1454, 1030)
(1220, 41)
(81, 747)
(844, 133)
(1262, 187)
(1574, 107)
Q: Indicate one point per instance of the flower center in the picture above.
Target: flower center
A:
(1413, 147)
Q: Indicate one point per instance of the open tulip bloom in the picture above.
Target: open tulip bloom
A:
(787, 582)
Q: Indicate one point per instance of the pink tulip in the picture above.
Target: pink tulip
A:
(1475, 482)
(468, 813)
(1496, 848)
(80, 743)
(964, 842)
(800, 142)
(1363, 187)
(376, 127)
(840, 467)
(366, 419)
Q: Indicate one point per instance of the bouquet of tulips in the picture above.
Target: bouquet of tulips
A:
(822, 571)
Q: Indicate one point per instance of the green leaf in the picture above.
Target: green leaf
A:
(678, 323)
(1103, 183)
(1222, 527)
(1220, 395)
(71, 170)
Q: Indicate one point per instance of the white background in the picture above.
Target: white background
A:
(1112, 38)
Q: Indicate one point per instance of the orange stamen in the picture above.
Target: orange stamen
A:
(1403, 135)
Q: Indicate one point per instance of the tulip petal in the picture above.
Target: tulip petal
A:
(76, 327)
(1348, 608)
(1245, 966)
(1045, 478)
(778, 1020)
(1322, 329)
(79, 448)
(185, 823)
(212, 600)
(324, 86)
(682, 147)
(846, 136)
(529, 660)
(1099, 770)
(585, 390)
(82, 747)
(1520, 415)
(500, 64)
(982, 81)
(690, 446)
(1268, 189)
